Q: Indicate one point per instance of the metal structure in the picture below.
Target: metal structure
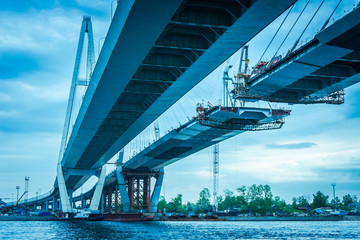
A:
(86, 28)
(26, 190)
(316, 72)
(333, 187)
(194, 135)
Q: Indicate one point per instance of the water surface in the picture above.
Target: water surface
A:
(180, 230)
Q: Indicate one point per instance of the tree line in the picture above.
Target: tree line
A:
(254, 199)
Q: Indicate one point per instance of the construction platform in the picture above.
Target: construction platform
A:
(212, 125)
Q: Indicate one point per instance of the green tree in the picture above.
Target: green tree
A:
(189, 207)
(267, 197)
(242, 190)
(336, 203)
(229, 200)
(204, 201)
(161, 203)
(279, 202)
(301, 201)
(204, 197)
(319, 200)
(294, 203)
(175, 205)
(347, 199)
(260, 198)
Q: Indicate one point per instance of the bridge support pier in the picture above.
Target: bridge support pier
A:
(135, 190)
(156, 193)
(54, 204)
(132, 191)
(64, 196)
(94, 206)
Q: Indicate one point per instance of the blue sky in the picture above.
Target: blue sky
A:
(318, 144)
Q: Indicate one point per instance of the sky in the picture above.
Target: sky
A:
(318, 145)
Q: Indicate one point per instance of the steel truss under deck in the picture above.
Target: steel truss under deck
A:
(336, 98)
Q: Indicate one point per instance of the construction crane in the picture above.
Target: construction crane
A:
(239, 82)
(19, 199)
(216, 176)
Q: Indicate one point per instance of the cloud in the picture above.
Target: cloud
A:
(95, 4)
(48, 29)
(37, 49)
(12, 64)
(291, 145)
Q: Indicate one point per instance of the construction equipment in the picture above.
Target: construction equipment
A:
(19, 199)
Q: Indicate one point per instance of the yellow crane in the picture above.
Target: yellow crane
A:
(19, 199)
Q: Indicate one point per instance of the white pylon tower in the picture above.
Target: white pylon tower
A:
(86, 28)
(216, 176)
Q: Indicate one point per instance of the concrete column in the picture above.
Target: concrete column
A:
(83, 203)
(47, 205)
(94, 206)
(54, 207)
(64, 195)
(156, 193)
(125, 201)
(102, 202)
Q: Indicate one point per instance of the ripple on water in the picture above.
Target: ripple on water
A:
(180, 230)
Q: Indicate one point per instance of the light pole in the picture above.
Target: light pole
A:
(333, 186)
(17, 192)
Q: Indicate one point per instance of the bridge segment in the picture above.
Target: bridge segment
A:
(153, 54)
(316, 72)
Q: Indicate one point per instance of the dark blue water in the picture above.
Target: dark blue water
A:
(180, 230)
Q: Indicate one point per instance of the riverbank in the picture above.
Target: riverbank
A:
(287, 218)
(25, 218)
(265, 218)
(222, 218)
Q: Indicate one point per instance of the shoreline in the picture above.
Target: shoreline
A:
(226, 219)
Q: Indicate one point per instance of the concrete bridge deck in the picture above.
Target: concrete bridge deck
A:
(328, 63)
(153, 54)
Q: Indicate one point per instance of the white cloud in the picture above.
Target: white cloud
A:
(96, 4)
(36, 31)
(32, 103)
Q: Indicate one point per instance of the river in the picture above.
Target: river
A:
(180, 230)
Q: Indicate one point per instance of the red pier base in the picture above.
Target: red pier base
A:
(126, 217)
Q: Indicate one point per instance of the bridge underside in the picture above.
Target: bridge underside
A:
(326, 65)
(215, 125)
(150, 59)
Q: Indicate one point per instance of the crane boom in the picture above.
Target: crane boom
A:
(19, 199)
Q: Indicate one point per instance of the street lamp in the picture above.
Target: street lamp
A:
(17, 192)
(333, 186)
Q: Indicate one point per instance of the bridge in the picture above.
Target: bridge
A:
(151, 58)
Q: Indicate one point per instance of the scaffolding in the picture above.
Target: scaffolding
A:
(335, 98)
(238, 123)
